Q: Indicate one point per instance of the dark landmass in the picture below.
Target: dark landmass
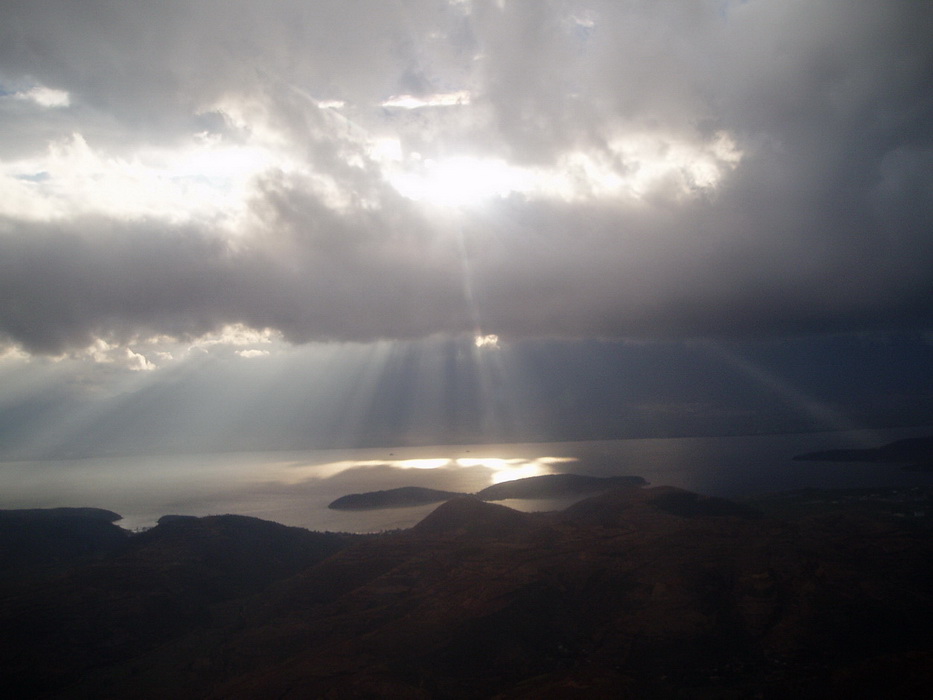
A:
(912, 505)
(633, 593)
(174, 518)
(547, 486)
(692, 505)
(52, 538)
(468, 515)
(37, 514)
(392, 498)
(154, 586)
(916, 453)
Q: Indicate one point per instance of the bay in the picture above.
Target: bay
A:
(294, 488)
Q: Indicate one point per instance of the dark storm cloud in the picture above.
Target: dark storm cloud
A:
(825, 224)
(63, 288)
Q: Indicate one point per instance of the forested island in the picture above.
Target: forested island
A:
(545, 486)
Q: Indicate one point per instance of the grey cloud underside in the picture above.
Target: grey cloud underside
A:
(63, 289)
(525, 269)
(825, 225)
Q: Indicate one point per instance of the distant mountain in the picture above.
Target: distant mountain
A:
(917, 453)
(635, 592)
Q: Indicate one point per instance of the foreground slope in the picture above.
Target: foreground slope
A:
(153, 587)
(633, 593)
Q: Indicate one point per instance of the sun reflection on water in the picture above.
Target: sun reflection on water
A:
(500, 468)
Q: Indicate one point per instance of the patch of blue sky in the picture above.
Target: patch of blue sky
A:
(34, 177)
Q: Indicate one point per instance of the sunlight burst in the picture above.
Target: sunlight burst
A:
(461, 181)
(631, 167)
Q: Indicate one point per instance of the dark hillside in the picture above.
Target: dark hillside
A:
(468, 515)
(155, 586)
(634, 593)
(44, 540)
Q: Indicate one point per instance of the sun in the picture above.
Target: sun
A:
(460, 181)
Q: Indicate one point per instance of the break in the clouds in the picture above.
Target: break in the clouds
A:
(379, 170)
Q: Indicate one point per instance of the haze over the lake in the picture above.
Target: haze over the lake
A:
(231, 225)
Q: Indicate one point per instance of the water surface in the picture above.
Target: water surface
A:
(295, 487)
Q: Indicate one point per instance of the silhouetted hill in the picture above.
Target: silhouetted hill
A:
(609, 508)
(692, 505)
(392, 498)
(633, 593)
(38, 539)
(468, 515)
(555, 485)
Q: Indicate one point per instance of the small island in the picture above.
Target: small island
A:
(403, 497)
(534, 487)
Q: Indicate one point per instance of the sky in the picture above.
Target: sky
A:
(236, 225)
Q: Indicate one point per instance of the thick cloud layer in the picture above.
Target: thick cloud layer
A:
(626, 169)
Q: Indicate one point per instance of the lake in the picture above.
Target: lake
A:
(294, 488)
